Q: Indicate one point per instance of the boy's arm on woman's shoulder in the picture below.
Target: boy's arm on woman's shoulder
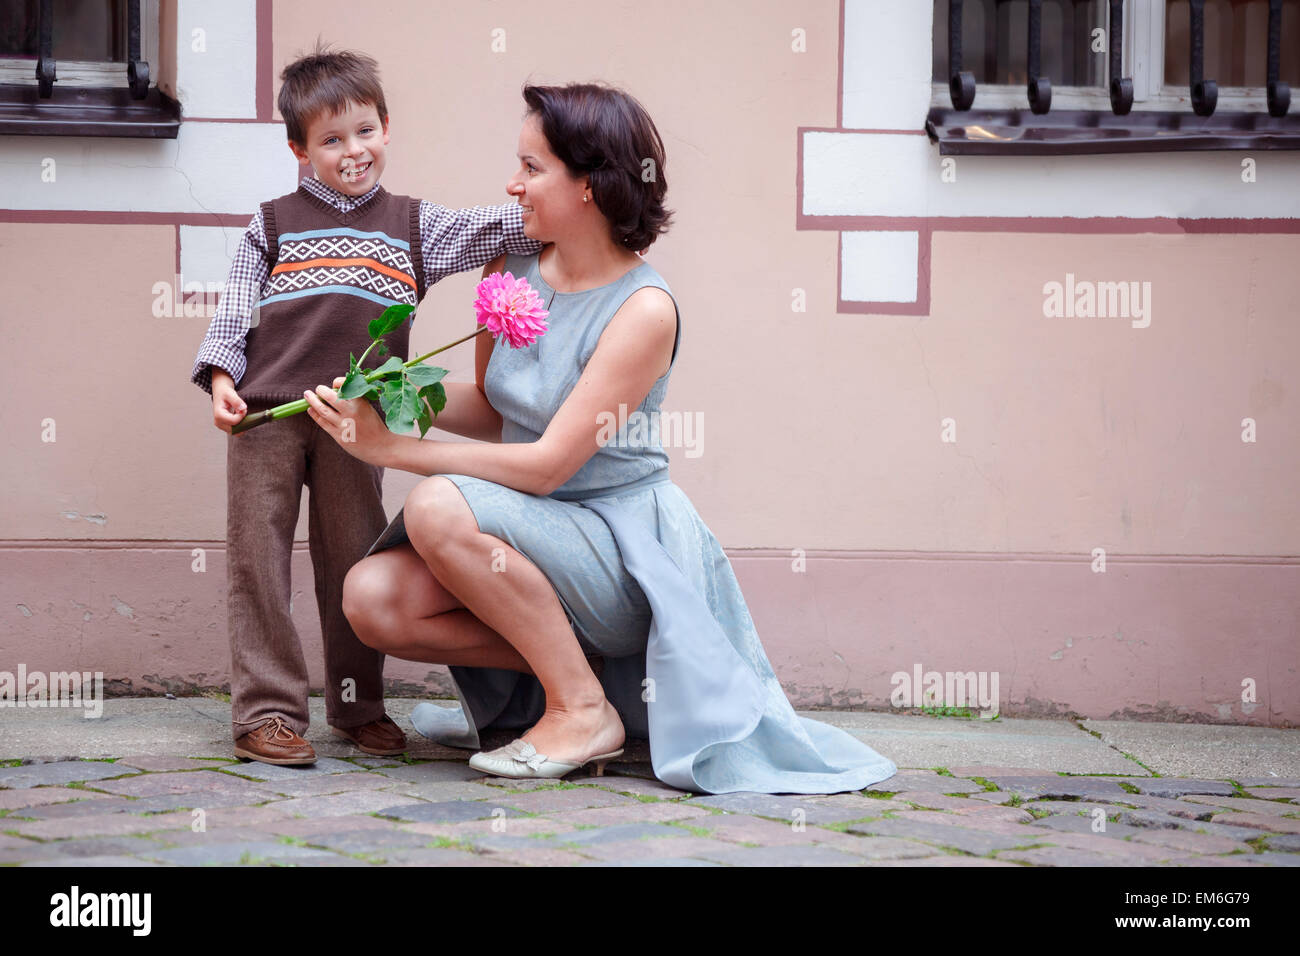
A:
(223, 346)
(456, 240)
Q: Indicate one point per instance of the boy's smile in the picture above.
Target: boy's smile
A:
(346, 149)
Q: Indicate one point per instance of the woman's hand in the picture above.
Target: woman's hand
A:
(353, 423)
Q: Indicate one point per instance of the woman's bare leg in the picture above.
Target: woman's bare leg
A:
(520, 605)
(396, 605)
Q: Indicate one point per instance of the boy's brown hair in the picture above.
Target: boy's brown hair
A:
(325, 82)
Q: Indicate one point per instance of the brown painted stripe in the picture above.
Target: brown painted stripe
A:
(265, 81)
(106, 217)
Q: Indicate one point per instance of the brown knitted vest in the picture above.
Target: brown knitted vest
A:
(332, 273)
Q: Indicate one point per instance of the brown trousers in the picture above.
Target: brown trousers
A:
(266, 469)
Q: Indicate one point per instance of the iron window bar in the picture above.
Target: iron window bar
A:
(137, 69)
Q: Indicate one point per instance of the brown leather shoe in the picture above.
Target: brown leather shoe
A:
(273, 742)
(381, 737)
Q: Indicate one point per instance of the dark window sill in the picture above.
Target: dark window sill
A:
(87, 111)
(1067, 132)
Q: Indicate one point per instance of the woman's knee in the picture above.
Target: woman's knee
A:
(436, 515)
(369, 596)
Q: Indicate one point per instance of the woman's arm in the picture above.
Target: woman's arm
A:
(468, 411)
(633, 352)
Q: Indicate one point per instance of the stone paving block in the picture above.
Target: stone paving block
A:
(100, 846)
(995, 796)
(207, 854)
(787, 808)
(983, 824)
(1259, 821)
(1235, 860)
(1284, 841)
(1072, 824)
(1276, 859)
(1108, 846)
(1059, 786)
(470, 831)
(654, 861)
(1065, 856)
(1180, 786)
(370, 842)
(981, 770)
(343, 804)
(1071, 807)
(231, 817)
(186, 781)
(441, 856)
(637, 786)
(156, 764)
(937, 801)
(1265, 793)
(924, 780)
(579, 798)
(978, 842)
(75, 808)
(883, 848)
(272, 771)
(450, 811)
(33, 851)
(62, 772)
(1186, 841)
(526, 784)
(1245, 805)
(109, 824)
(540, 856)
(205, 800)
(440, 791)
(785, 856)
(634, 851)
(1005, 814)
(948, 860)
(44, 796)
(742, 828)
(1268, 781)
(641, 813)
(623, 833)
(8, 842)
(370, 762)
(1178, 807)
(95, 861)
(329, 783)
(436, 771)
(323, 826)
(171, 839)
(1156, 819)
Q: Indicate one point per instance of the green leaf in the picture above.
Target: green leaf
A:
(401, 407)
(355, 385)
(425, 375)
(436, 396)
(392, 318)
(392, 365)
(425, 420)
(352, 362)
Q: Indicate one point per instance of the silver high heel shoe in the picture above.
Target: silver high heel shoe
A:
(520, 759)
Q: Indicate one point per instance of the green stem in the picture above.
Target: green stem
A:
(300, 406)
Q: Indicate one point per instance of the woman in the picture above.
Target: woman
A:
(554, 545)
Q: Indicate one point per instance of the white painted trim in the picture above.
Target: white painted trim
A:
(879, 266)
(883, 174)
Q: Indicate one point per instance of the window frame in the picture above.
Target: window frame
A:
(1143, 59)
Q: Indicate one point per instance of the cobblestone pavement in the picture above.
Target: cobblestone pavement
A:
(371, 811)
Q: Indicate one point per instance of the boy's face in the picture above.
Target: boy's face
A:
(346, 149)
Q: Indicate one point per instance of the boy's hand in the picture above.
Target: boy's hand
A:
(228, 409)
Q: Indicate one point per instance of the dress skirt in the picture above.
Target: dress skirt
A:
(647, 586)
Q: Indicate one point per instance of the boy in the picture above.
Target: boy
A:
(315, 266)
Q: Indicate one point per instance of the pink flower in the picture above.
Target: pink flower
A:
(511, 308)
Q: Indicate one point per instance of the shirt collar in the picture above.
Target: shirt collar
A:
(341, 201)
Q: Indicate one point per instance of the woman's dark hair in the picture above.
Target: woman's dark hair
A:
(605, 134)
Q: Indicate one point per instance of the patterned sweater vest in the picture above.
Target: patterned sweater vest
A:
(331, 273)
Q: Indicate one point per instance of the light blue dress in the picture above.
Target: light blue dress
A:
(644, 583)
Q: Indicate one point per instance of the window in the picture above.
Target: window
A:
(82, 67)
(1075, 45)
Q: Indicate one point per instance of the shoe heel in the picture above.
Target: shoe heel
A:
(604, 759)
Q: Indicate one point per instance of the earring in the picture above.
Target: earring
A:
(584, 198)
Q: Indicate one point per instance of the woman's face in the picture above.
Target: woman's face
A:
(550, 197)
